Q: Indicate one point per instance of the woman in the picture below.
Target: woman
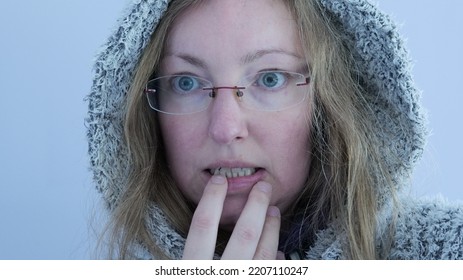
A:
(261, 129)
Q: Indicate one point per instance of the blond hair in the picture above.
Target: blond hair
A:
(345, 165)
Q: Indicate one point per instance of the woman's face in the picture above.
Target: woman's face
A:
(223, 41)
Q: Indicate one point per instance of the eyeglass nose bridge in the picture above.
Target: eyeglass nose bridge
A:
(213, 90)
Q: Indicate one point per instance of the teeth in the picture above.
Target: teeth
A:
(232, 172)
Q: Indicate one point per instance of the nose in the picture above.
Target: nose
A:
(227, 121)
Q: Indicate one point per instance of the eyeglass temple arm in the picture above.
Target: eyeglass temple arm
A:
(149, 90)
(307, 81)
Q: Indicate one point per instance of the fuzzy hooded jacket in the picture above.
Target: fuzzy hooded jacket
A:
(431, 229)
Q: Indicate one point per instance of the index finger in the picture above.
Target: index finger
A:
(248, 229)
(202, 236)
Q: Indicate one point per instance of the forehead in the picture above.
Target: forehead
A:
(233, 29)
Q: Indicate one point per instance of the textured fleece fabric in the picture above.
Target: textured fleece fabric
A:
(426, 229)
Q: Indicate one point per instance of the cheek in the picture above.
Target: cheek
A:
(181, 140)
(289, 146)
(294, 153)
(180, 134)
(287, 136)
(173, 134)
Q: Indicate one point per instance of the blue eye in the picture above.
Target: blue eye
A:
(185, 83)
(271, 80)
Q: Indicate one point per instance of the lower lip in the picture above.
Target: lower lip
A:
(239, 184)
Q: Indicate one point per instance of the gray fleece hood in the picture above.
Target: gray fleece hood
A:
(371, 36)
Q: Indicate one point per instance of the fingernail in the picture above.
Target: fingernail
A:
(217, 179)
(273, 211)
(264, 187)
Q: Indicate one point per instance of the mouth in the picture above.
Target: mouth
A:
(233, 172)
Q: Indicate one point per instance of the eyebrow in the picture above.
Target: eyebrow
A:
(247, 59)
(195, 61)
(251, 57)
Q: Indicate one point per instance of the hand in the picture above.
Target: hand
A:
(256, 232)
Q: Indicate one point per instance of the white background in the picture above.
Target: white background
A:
(47, 47)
